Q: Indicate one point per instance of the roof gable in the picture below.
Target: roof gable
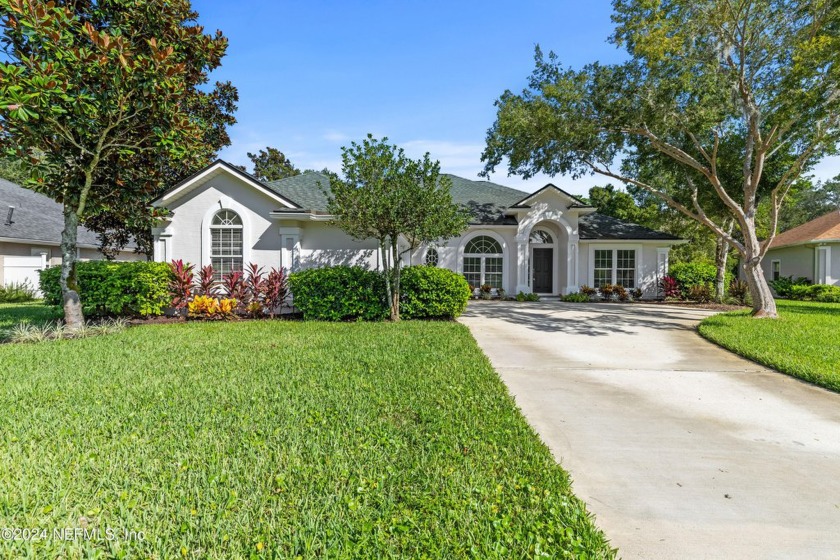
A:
(824, 228)
(199, 178)
(573, 202)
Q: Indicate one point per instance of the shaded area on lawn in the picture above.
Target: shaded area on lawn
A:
(35, 312)
(804, 342)
(224, 440)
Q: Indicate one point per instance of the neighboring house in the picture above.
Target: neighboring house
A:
(547, 242)
(30, 235)
(811, 250)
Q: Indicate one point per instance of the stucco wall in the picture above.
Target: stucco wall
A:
(647, 254)
(322, 244)
(189, 226)
(794, 261)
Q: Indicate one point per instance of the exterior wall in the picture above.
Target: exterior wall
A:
(649, 267)
(187, 234)
(322, 244)
(794, 261)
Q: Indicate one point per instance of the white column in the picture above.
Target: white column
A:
(523, 283)
(572, 267)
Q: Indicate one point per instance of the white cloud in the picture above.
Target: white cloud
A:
(335, 136)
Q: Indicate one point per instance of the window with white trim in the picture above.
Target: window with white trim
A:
(226, 243)
(776, 270)
(615, 266)
(483, 262)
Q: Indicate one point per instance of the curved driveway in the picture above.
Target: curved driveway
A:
(680, 449)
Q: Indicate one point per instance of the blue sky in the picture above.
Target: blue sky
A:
(314, 75)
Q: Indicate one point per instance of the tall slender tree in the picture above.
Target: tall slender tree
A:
(701, 72)
(94, 86)
(399, 202)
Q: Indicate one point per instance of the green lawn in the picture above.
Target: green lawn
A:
(35, 312)
(277, 440)
(803, 342)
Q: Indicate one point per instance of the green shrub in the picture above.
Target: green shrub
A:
(114, 288)
(17, 293)
(428, 292)
(689, 274)
(577, 297)
(739, 291)
(700, 293)
(522, 296)
(339, 293)
(783, 285)
(818, 292)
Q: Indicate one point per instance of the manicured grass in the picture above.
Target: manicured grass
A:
(278, 439)
(34, 312)
(803, 342)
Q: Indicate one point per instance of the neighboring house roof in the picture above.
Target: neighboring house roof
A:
(599, 226)
(824, 228)
(36, 218)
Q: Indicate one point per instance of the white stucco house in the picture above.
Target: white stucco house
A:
(548, 242)
(811, 251)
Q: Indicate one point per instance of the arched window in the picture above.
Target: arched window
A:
(226, 242)
(483, 262)
(431, 258)
(540, 236)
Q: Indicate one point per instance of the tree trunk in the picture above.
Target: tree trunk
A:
(73, 316)
(394, 279)
(721, 256)
(763, 303)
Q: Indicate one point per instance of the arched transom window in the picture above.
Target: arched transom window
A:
(226, 242)
(541, 237)
(483, 262)
(431, 258)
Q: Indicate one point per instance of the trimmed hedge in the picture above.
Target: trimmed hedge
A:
(823, 293)
(697, 273)
(339, 293)
(114, 288)
(428, 292)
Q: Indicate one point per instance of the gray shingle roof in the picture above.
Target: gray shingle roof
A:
(486, 201)
(36, 217)
(599, 226)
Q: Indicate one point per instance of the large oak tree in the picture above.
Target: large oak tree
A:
(761, 76)
(91, 87)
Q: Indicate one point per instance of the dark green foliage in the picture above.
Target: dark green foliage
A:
(17, 293)
(428, 292)
(115, 288)
(818, 292)
(699, 293)
(689, 274)
(740, 291)
(522, 296)
(577, 297)
(339, 293)
(783, 285)
(271, 165)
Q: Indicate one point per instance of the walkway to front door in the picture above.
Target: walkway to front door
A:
(681, 449)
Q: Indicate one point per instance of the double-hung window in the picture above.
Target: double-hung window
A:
(483, 262)
(614, 266)
(226, 243)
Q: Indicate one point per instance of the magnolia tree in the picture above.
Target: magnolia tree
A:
(400, 202)
(758, 77)
(88, 89)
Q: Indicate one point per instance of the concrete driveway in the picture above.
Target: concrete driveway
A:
(680, 449)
